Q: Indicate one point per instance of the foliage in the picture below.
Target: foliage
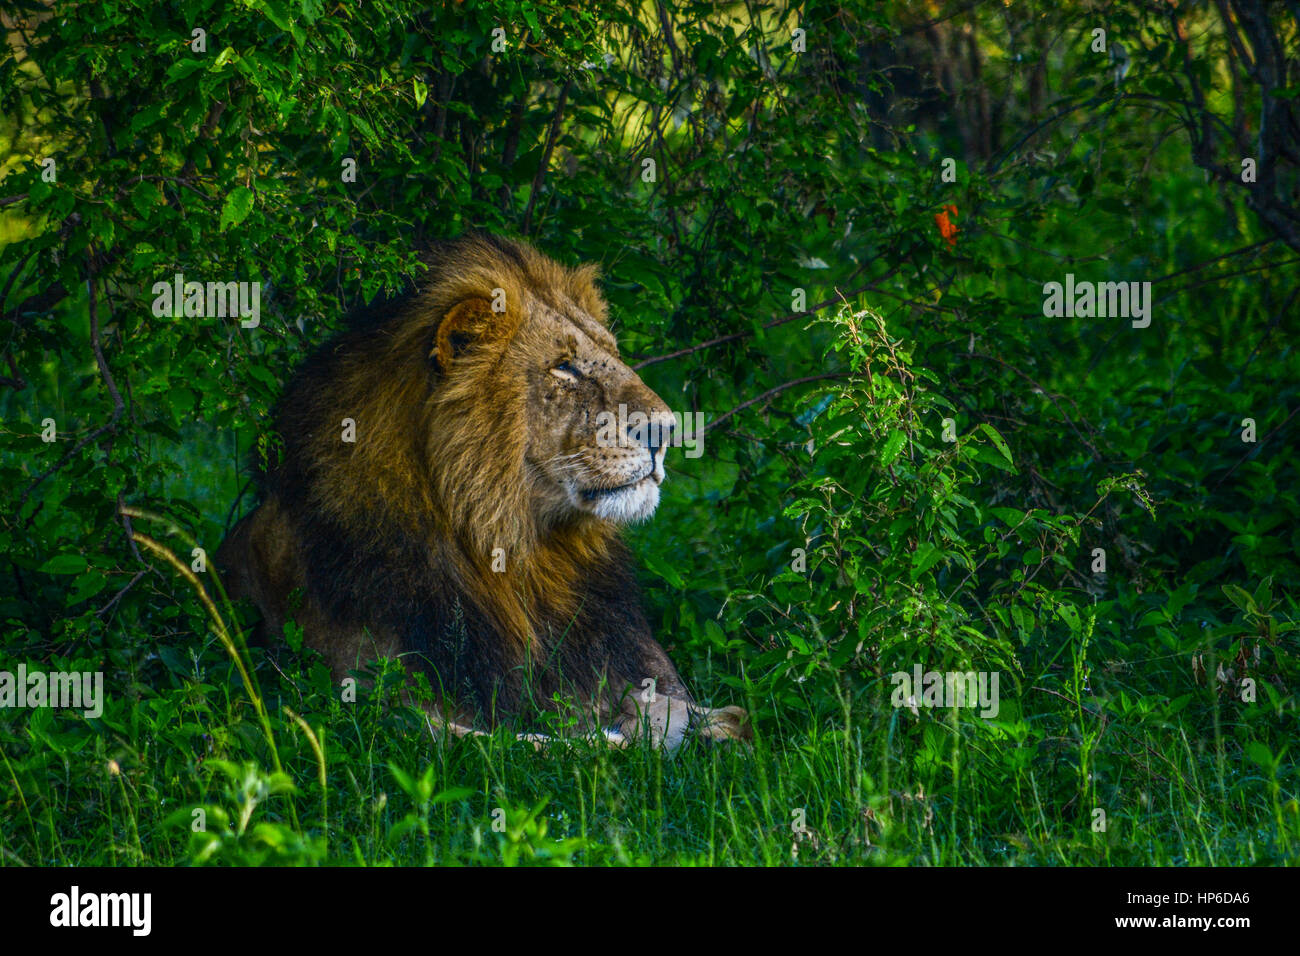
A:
(840, 260)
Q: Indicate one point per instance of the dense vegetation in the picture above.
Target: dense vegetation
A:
(828, 228)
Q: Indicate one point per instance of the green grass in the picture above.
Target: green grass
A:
(872, 785)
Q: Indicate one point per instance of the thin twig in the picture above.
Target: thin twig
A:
(551, 136)
(122, 593)
(106, 375)
(1048, 395)
(768, 394)
(1246, 457)
(118, 405)
(836, 299)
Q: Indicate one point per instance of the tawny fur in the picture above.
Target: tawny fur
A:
(472, 527)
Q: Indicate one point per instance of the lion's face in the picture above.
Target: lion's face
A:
(465, 516)
(534, 409)
(597, 435)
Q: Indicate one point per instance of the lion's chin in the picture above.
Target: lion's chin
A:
(625, 505)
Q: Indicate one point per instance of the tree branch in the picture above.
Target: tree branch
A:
(118, 405)
(769, 393)
(779, 320)
(551, 136)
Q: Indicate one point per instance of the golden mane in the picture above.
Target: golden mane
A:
(442, 495)
(449, 463)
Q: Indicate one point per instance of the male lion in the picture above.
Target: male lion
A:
(446, 493)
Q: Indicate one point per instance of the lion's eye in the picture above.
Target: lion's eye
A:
(566, 372)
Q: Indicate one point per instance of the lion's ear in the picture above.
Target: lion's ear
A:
(464, 324)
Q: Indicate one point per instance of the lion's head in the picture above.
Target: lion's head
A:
(491, 418)
(455, 467)
(576, 430)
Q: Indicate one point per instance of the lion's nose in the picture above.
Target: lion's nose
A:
(660, 434)
(660, 437)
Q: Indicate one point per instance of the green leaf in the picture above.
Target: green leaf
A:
(404, 779)
(1240, 597)
(86, 586)
(893, 445)
(998, 442)
(452, 795)
(925, 557)
(1260, 754)
(65, 564)
(665, 571)
(144, 197)
(237, 207)
(183, 68)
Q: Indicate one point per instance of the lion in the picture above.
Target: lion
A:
(451, 490)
